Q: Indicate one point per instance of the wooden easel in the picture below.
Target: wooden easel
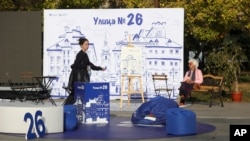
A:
(130, 89)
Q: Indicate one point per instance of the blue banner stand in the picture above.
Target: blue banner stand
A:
(95, 98)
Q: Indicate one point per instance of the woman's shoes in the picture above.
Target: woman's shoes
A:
(182, 100)
(181, 104)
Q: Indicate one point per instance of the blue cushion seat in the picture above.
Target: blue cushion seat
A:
(180, 121)
(153, 112)
(70, 119)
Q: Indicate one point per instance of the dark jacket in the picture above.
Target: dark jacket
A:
(79, 71)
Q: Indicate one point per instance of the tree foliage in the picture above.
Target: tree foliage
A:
(210, 20)
(228, 60)
(6, 5)
(26, 5)
(138, 3)
(77, 4)
(34, 5)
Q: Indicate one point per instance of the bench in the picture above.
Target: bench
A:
(212, 85)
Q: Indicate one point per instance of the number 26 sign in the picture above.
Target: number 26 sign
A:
(36, 127)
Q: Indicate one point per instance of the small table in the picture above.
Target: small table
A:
(44, 83)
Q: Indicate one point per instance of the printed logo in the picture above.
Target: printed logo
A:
(81, 87)
(239, 132)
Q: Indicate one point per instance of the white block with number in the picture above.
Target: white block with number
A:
(12, 117)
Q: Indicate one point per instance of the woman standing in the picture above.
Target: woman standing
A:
(80, 69)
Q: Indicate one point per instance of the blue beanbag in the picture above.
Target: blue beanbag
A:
(180, 121)
(70, 119)
(153, 112)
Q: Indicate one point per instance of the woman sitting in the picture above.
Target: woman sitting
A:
(192, 79)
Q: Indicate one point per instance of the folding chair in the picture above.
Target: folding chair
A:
(28, 78)
(161, 84)
(30, 85)
(2, 81)
(16, 90)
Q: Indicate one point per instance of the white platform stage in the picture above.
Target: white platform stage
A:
(12, 116)
(6, 88)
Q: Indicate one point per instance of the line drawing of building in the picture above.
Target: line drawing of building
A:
(159, 55)
(97, 110)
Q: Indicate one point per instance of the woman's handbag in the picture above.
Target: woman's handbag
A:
(196, 86)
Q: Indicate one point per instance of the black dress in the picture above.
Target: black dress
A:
(79, 73)
(186, 88)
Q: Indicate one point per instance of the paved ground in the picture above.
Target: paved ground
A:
(220, 117)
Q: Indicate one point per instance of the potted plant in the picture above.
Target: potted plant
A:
(227, 62)
(235, 63)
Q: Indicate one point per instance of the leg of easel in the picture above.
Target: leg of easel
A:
(130, 85)
(141, 90)
(122, 90)
(130, 89)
